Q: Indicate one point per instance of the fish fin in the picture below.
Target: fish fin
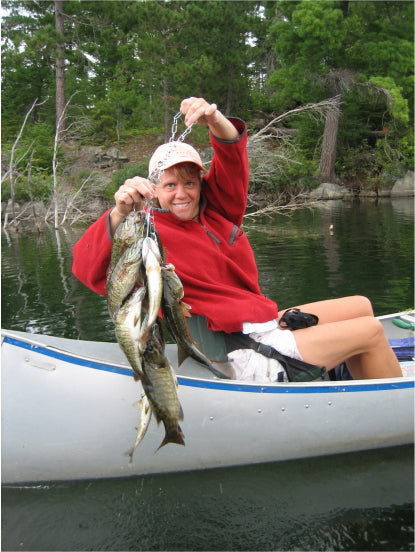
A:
(181, 415)
(145, 330)
(181, 354)
(185, 309)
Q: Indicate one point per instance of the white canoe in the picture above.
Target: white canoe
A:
(69, 412)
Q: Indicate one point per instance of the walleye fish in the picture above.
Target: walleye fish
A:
(174, 314)
(160, 386)
(128, 330)
(144, 421)
(131, 228)
(152, 259)
(125, 275)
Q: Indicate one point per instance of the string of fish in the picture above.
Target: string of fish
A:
(134, 285)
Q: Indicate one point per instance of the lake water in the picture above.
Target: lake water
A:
(362, 501)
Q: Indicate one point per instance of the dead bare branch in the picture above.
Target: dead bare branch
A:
(58, 132)
(278, 206)
(11, 170)
(318, 110)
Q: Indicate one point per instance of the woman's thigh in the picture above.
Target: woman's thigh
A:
(331, 343)
(336, 310)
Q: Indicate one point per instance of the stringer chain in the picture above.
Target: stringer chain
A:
(157, 173)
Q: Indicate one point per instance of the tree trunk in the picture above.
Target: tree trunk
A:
(60, 68)
(328, 148)
(229, 95)
(166, 109)
(165, 89)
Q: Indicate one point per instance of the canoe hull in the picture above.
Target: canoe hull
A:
(68, 418)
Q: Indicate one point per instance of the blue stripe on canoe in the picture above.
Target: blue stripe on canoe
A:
(217, 384)
(69, 358)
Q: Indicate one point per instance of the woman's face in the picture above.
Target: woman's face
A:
(179, 190)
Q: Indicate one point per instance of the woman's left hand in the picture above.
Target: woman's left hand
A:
(198, 110)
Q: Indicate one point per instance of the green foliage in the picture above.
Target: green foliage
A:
(41, 135)
(41, 187)
(376, 166)
(78, 179)
(362, 50)
(398, 105)
(300, 174)
(131, 63)
(120, 176)
(405, 147)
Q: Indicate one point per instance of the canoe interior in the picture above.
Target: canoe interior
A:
(113, 355)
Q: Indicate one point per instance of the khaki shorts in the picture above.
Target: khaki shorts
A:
(247, 364)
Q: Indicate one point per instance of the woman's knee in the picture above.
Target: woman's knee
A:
(375, 331)
(363, 305)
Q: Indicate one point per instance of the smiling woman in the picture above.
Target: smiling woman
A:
(199, 224)
(179, 190)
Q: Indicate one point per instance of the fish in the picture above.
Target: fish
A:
(130, 229)
(144, 421)
(160, 386)
(134, 285)
(124, 277)
(151, 259)
(128, 330)
(174, 312)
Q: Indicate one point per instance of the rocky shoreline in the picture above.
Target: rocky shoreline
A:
(101, 162)
(403, 187)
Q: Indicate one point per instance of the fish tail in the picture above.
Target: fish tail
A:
(173, 436)
(130, 453)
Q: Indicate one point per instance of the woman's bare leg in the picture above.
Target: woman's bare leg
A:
(347, 330)
(361, 342)
(334, 310)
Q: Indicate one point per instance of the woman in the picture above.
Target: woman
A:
(198, 219)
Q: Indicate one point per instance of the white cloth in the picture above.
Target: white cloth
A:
(250, 365)
(259, 327)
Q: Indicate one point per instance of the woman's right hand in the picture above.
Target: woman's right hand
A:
(133, 193)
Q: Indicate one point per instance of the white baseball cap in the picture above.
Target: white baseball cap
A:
(172, 153)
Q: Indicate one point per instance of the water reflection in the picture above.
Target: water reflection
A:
(352, 502)
(369, 252)
(358, 501)
(39, 292)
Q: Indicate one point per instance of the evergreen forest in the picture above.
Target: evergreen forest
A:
(326, 87)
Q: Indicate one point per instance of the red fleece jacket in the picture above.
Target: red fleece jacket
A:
(212, 257)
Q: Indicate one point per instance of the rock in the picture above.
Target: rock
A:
(91, 152)
(404, 187)
(104, 158)
(328, 190)
(368, 194)
(116, 155)
(384, 192)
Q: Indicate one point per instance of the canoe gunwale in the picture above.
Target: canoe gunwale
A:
(211, 381)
